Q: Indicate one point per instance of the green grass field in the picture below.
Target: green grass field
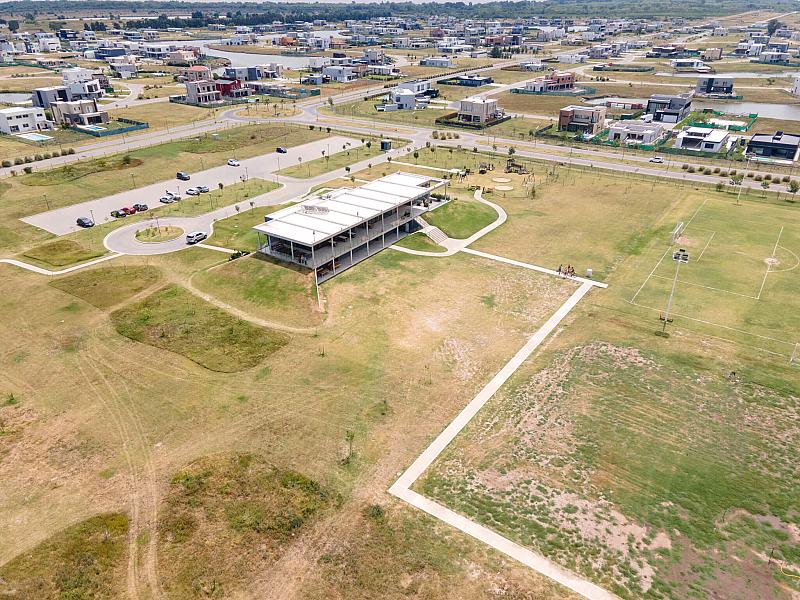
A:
(657, 467)
(175, 320)
(461, 217)
(738, 279)
(104, 287)
(336, 160)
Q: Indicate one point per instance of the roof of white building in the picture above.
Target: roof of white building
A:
(708, 135)
(14, 110)
(322, 217)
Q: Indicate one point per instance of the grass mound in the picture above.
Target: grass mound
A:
(461, 218)
(79, 169)
(175, 320)
(228, 515)
(158, 234)
(60, 253)
(420, 241)
(86, 560)
(108, 286)
(264, 288)
(239, 137)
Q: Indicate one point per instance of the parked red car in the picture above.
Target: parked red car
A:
(129, 210)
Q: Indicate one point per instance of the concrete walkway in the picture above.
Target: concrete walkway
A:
(41, 271)
(454, 245)
(402, 487)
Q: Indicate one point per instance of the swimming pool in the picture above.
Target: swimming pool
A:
(92, 127)
(35, 137)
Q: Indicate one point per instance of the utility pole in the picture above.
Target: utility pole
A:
(741, 184)
(680, 257)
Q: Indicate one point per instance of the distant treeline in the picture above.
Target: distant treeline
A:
(239, 13)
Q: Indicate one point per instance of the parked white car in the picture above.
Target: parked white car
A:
(195, 237)
(232, 162)
(193, 191)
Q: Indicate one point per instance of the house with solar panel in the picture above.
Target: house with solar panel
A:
(336, 230)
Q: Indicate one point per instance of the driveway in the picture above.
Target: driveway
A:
(62, 220)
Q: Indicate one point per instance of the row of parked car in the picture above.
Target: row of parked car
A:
(168, 198)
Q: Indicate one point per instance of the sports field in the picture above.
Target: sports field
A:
(741, 274)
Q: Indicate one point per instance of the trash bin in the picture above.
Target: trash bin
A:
(589, 273)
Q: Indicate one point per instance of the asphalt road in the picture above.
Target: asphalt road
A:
(62, 220)
(123, 239)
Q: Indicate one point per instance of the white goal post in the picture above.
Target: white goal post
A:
(677, 232)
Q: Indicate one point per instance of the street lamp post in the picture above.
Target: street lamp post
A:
(679, 257)
(741, 184)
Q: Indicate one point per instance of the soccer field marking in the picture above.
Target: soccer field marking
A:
(703, 321)
(402, 487)
(794, 266)
(769, 265)
(660, 260)
(644, 283)
(708, 287)
(703, 251)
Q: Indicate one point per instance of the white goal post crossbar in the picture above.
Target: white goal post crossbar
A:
(676, 233)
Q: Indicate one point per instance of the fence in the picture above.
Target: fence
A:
(582, 91)
(624, 68)
(451, 120)
(133, 126)
(751, 119)
(221, 103)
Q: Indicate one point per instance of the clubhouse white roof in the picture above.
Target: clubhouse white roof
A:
(322, 217)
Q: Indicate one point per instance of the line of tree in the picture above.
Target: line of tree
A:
(247, 13)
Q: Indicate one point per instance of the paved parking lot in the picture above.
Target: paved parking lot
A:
(62, 220)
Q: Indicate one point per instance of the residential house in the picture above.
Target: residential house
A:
(181, 57)
(231, 88)
(443, 62)
(665, 108)
(124, 70)
(635, 132)
(710, 54)
(688, 63)
(571, 58)
(773, 57)
(552, 82)
(478, 110)
(81, 84)
(45, 96)
(23, 119)
(777, 146)
(589, 120)
(79, 112)
(196, 73)
(532, 65)
(340, 73)
(714, 86)
(702, 139)
(417, 86)
(202, 92)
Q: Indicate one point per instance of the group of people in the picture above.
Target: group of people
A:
(568, 271)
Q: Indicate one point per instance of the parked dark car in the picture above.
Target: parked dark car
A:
(85, 222)
(280, 150)
(182, 175)
(140, 207)
(118, 214)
